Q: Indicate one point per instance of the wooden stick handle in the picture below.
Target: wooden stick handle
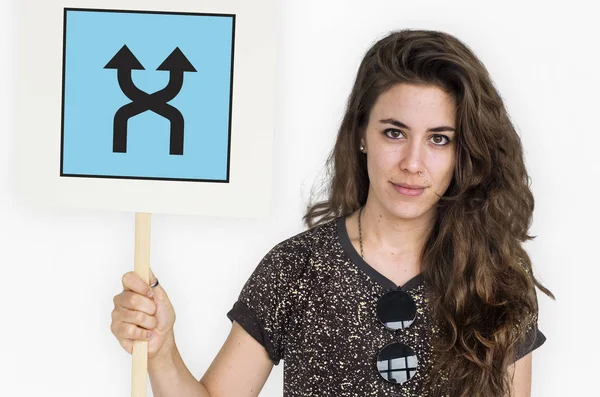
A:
(139, 374)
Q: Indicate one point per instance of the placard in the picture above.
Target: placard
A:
(157, 107)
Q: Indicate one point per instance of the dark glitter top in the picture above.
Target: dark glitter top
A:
(311, 302)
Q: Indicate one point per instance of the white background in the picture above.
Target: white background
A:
(60, 269)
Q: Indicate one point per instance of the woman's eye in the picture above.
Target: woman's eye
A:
(392, 133)
(436, 140)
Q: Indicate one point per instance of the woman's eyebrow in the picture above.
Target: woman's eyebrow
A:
(402, 125)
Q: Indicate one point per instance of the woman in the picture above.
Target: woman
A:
(411, 279)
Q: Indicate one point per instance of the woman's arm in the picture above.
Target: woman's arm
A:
(521, 373)
(169, 376)
(240, 369)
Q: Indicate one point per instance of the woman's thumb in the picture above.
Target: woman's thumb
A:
(156, 288)
(153, 278)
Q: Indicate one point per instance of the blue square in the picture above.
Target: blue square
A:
(147, 95)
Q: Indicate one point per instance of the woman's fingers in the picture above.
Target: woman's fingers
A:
(133, 282)
(129, 331)
(138, 318)
(133, 301)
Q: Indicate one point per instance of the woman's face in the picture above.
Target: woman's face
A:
(410, 140)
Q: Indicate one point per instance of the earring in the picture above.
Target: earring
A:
(362, 148)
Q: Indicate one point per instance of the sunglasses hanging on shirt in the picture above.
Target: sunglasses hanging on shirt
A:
(396, 362)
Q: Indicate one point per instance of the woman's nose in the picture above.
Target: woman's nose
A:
(412, 157)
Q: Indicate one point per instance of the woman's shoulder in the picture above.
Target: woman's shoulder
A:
(309, 241)
(290, 262)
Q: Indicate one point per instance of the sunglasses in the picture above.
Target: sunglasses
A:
(396, 362)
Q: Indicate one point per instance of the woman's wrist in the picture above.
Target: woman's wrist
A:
(166, 355)
(169, 375)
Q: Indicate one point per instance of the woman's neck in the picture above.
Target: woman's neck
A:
(394, 236)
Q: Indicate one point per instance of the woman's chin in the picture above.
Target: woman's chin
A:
(406, 211)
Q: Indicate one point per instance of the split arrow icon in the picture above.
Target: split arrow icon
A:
(125, 62)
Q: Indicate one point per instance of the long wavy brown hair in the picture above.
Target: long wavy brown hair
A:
(480, 277)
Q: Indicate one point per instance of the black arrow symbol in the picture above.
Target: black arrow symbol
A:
(176, 63)
(124, 61)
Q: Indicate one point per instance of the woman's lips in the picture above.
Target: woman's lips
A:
(407, 191)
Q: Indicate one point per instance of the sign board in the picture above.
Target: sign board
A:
(147, 106)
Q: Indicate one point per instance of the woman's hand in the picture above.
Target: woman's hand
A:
(140, 311)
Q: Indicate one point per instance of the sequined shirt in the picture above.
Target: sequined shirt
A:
(311, 302)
